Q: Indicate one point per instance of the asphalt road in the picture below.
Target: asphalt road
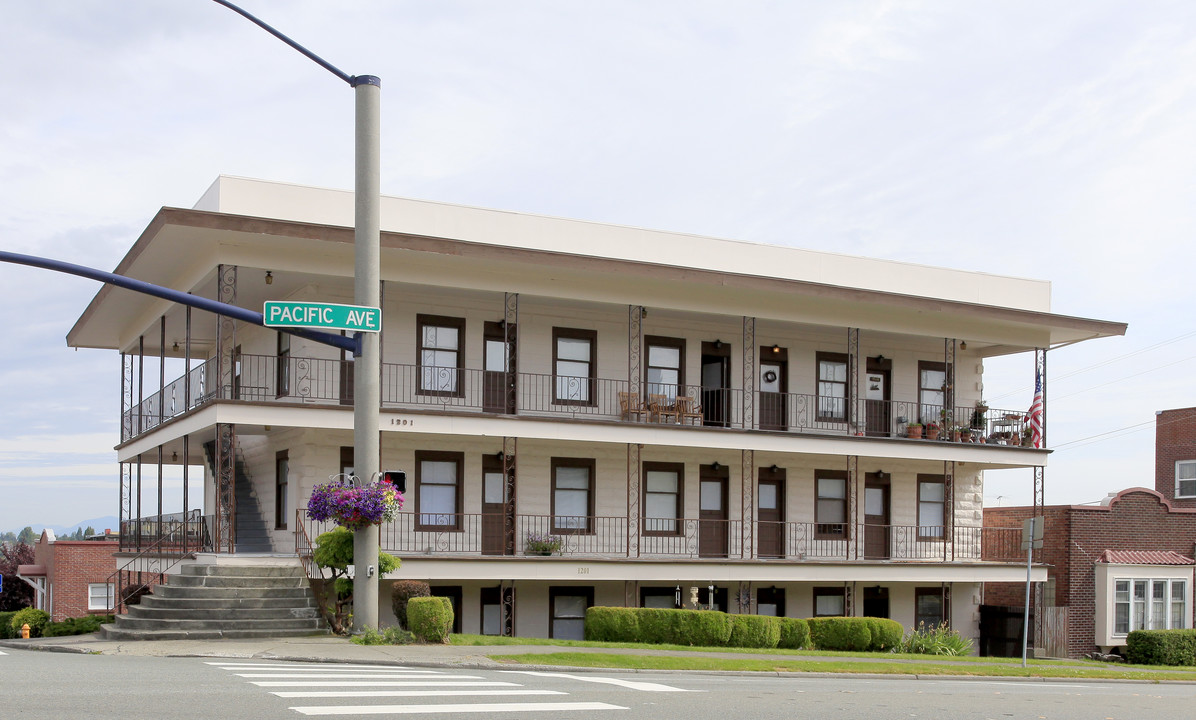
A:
(57, 685)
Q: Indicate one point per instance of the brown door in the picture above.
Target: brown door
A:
(770, 527)
(712, 511)
(346, 377)
(716, 384)
(877, 407)
(494, 495)
(498, 375)
(774, 365)
(876, 516)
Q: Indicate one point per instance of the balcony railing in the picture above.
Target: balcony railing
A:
(263, 378)
(477, 534)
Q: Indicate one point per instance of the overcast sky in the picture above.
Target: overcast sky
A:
(1044, 140)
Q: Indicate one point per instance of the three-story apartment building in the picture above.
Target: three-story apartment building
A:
(790, 431)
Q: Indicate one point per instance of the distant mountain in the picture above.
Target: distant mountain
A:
(108, 522)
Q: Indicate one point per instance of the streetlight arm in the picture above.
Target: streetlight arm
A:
(350, 79)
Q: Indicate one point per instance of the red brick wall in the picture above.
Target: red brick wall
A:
(1174, 439)
(74, 565)
(1137, 519)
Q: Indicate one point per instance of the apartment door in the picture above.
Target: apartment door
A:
(498, 375)
(876, 602)
(770, 523)
(716, 383)
(774, 369)
(877, 407)
(876, 516)
(712, 511)
(346, 377)
(494, 502)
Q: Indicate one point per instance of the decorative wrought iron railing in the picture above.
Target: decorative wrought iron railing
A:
(305, 549)
(159, 544)
(266, 378)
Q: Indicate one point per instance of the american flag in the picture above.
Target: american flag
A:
(1034, 417)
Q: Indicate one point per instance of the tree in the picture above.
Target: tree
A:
(89, 532)
(8, 537)
(27, 536)
(334, 550)
(16, 593)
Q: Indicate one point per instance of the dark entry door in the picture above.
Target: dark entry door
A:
(498, 374)
(494, 497)
(876, 602)
(877, 408)
(716, 383)
(712, 512)
(774, 366)
(770, 527)
(876, 516)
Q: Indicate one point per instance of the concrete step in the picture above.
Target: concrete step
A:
(128, 622)
(191, 613)
(224, 603)
(210, 593)
(236, 581)
(244, 570)
(111, 632)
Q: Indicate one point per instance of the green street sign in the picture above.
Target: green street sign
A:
(330, 316)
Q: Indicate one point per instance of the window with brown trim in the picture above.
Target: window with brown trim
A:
(346, 462)
(830, 504)
(574, 365)
(932, 507)
(932, 391)
(833, 390)
(664, 371)
(441, 342)
(567, 610)
(664, 488)
(930, 607)
(282, 369)
(572, 495)
(281, 473)
(438, 489)
(830, 601)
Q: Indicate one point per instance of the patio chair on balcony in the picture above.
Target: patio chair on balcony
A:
(688, 411)
(661, 409)
(631, 406)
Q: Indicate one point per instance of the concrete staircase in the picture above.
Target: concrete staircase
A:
(207, 602)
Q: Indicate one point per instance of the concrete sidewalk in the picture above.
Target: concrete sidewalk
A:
(332, 649)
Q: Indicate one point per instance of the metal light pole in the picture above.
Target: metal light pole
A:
(366, 291)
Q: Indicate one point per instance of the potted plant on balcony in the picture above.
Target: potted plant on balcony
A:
(913, 431)
(932, 431)
(541, 544)
(354, 506)
(979, 416)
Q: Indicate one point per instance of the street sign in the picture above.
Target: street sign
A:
(322, 315)
(1032, 530)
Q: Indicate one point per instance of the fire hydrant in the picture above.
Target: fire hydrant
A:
(25, 631)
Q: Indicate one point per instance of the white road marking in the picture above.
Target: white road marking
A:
(479, 708)
(629, 684)
(353, 676)
(412, 693)
(3, 653)
(300, 666)
(327, 668)
(394, 683)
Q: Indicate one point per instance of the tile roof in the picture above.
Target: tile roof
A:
(1144, 557)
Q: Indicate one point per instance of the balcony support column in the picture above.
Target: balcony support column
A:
(633, 499)
(749, 372)
(186, 485)
(635, 349)
(853, 381)
(226, 479)
(126, 396)
(744, 598)
(852, 519)
(507, 598)
(126, 504)
(187, 360)
(747, 507)
(140, 384)
(631, 591)
(160, 475)
(948, 417)
(849, 599)
(509, 448)
(510, 330)
(137, 517)
(161, 369)
(226, 330)
(948, 510)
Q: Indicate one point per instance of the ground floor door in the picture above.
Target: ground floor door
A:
(876, 602)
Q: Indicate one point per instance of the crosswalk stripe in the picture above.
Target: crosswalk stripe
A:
(629, 684)
(454, 708)
(412, 693)
(3, 653)
(316, 666)
(353, 676)
(395, 683)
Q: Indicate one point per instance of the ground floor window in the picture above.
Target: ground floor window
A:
(930, 607)
(491, 611)
(660, 597)
(720, 598)
(99, 596)
(1149, 604)
(567, 607)
(830, 601)
(770, 601)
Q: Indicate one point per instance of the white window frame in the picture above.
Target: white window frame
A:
(106, 590)
(1185, 464)
(1140, 615)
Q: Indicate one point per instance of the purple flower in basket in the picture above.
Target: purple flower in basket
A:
(354, 506)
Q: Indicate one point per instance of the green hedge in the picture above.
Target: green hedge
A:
(611, 624)
(430, 619)
(1161, 647)
(5, 623)
(795, 633)
(886, 634)
(754, 631)
(658, 626)
(76, 626)
(36, 619)
(840, 633)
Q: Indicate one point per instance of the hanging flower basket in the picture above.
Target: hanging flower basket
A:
(354, 506)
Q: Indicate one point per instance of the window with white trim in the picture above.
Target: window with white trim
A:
(1185, 478)
(99, 596)
(1149, 604)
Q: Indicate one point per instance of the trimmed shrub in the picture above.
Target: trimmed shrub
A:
(754, 631)
(5, 627)
(795, 633)
(659, 626)
(886, 634)
(703, 628)
(430, 618)
(76, 626)
(37, 620)
(612, 624)
(840, 633)
(1161, 647)
(936, 640)
(402, 592)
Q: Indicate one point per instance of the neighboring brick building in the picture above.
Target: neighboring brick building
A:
(70, 578)
(1123, 564)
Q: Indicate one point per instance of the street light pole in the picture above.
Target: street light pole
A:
(366, 291)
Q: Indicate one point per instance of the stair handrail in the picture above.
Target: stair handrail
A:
(166, 551)
(307, 556)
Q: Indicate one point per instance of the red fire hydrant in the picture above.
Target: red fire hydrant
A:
(25, 631)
